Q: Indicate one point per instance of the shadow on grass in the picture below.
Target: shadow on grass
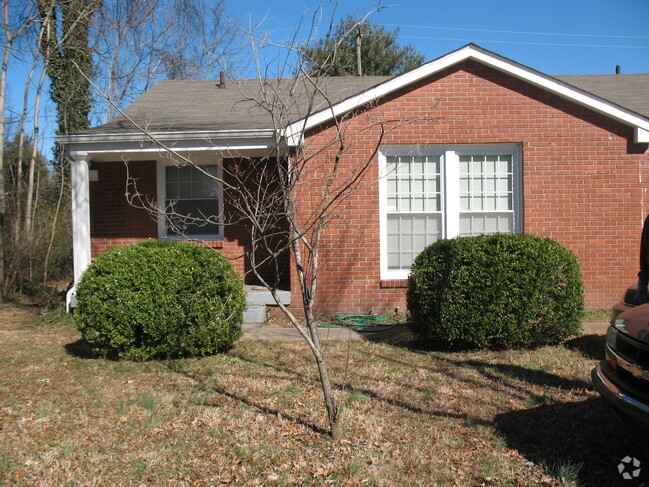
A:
(584, 433)
(80, 349)
(524, 374)
(400, 334)
(312, 382)
(201, 383)
(496, 371)
(592, 346)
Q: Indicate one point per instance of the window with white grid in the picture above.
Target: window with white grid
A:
(486, 194)
(192, 198)
(414, 207)
(432, 192)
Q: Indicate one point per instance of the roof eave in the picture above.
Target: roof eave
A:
(168, 137)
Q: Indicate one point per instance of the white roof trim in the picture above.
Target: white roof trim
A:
(294, 131)
(207, 135)
(641, 135)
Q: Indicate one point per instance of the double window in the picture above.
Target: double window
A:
(428, 193)
(192, 199)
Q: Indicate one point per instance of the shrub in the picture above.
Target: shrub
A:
(495, 291)
(160, 300)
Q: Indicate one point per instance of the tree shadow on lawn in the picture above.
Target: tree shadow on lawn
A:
(313, 382)
(585, 433)
(402, 335)
(491, 370)
(524, 374)
(202, 384)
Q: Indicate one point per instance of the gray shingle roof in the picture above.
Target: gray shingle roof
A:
(630, 91)
(186, 106)
(178, 106)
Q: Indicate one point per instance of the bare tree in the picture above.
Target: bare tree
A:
(290, 200)
(22, 218)
(139, 42)
(17, 19)
(294, 199)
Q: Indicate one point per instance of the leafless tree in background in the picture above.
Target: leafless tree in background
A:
(140, 42)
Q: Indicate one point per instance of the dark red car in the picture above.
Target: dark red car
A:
(622, 378)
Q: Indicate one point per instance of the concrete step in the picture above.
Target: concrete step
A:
(257, 298)
(257, 295)
(254, 314)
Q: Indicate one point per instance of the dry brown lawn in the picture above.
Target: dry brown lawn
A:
(254, 416)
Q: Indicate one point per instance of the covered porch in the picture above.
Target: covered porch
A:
(122, 189)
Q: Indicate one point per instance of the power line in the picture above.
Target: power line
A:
(515, 32)
(523, 42)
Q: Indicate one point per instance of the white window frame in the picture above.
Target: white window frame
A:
(162, 197)
(450, 181)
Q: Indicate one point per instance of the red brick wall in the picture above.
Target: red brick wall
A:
(111, 215)
(583, 185)
(583, 180)
(115, 222)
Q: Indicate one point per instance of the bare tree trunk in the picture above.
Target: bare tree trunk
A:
(37, 193)
(54, 224)
(28, 228)
(3, 90)
(16, 224)
(333, 412)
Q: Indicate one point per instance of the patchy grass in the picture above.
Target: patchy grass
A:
(598, 314)
(254, 416)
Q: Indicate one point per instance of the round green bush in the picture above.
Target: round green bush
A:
(160, 300)
(496, 292)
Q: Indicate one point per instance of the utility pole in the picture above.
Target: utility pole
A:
(358, 51)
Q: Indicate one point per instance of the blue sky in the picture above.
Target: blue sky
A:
(552, 36)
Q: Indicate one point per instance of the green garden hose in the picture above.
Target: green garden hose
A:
(362, 322)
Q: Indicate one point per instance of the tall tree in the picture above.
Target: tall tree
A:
(69, 62)
(16, 20)
(360, 47)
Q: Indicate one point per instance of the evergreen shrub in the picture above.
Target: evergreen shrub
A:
(160, 300)
(495, 292)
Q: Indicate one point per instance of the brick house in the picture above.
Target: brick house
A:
(507, 149)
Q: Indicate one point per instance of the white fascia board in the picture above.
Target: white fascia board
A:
(641, 135)
(293, 132)
(141, 137)
(150, 147)
(141, 145)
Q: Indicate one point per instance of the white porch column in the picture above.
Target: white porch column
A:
(80, 212)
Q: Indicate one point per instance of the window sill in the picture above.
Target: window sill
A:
(214, 241)
(394, 283)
